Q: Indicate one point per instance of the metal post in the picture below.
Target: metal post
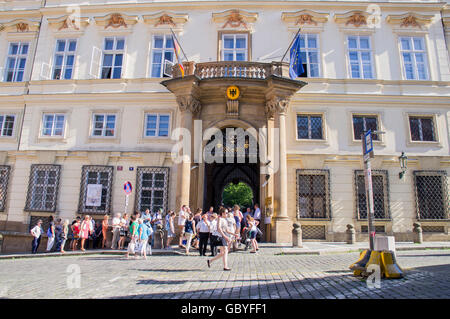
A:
(369, 197)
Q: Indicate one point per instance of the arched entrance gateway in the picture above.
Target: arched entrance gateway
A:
(215, 100)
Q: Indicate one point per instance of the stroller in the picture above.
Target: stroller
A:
(245, 238)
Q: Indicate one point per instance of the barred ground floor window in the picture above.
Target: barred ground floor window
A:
(431, 191)
(95, 189)
(43, 188)
(380, 187)
(152, 188)
(4, 177)
(313, 193)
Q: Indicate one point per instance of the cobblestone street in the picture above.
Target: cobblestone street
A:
(264, 275)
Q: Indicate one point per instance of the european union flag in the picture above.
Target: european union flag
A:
(295, 63)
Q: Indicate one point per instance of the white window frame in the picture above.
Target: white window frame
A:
(114, 52)
(2, 128)
(163, 51)
(359, 51)
(413, 55)
(309, 126)
(17, 58)
(307, 49)
(235, 50)
(65, 54)
(104, 125)
(52, 133)
(158, 115)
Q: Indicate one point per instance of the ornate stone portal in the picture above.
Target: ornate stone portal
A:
(262, 104)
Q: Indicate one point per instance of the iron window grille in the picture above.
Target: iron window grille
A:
(4, 177)
(97, 175)
(152, 188)
(44, 226)
(422, 128)
(380, 187)
(309, 127)
(313, 194)
(43, 188)
(431, 192)
(363, 123)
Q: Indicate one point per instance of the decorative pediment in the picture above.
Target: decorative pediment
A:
(166, 19)
(409, 20)
(68, 23)
(21, 26)
(304, 18)
(235, 19)
(116, 20)
(353, 18)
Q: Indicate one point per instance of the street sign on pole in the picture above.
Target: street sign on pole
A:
(367, 148)
(128, 189)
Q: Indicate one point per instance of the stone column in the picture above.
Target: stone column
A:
(188, 106)
(283, 225)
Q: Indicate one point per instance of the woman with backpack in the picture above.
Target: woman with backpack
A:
(143, 235)
(133, 235)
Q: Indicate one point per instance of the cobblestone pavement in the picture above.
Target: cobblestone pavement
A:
(264, 275)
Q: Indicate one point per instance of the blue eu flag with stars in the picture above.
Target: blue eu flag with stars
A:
(295, 63)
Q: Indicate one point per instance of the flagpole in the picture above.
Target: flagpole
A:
(291, 44)
(179, 44)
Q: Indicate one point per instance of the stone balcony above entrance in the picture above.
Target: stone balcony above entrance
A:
(233, 69)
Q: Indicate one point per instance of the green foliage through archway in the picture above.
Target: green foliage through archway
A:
(239, 193)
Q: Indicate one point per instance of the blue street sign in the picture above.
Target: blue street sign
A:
(127, 188)
(368, 145)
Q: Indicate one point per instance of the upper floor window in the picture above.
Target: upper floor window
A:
(64, 59)
(7, 124)
(162, 56)
(104, 125)
(309, 127)
(422, 128)
(113, 52)
(53, 125)
(363, 123)
(234, 47)
(16, 62)
(309, 51)
(157, 125)
(360, 57)
(414, 58)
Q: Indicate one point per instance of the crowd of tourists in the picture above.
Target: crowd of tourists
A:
(224, 231)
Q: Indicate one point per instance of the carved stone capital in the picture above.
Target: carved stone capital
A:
(188, 103)
(277, 104)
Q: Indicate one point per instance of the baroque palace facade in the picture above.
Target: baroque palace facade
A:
(88, 97)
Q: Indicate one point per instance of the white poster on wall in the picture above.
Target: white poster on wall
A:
(94, 195)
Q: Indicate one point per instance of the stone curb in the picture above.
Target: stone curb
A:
(353, 250)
